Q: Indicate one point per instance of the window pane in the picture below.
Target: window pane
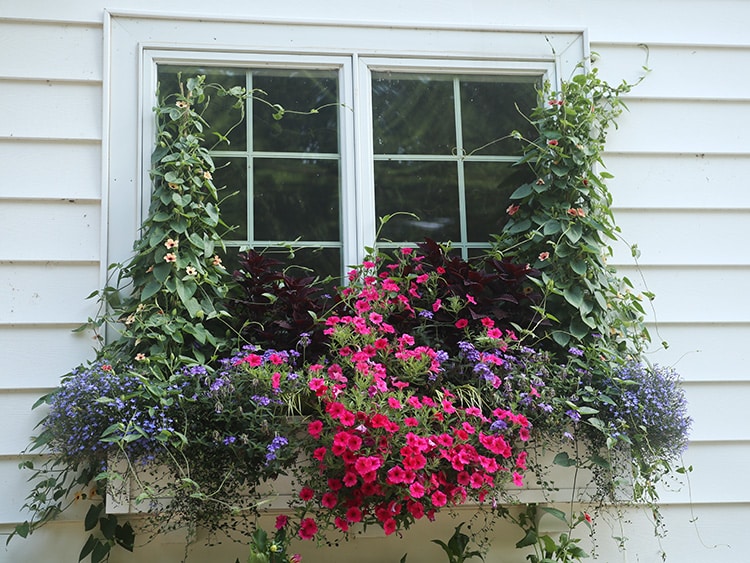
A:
(322, 262)
(492, 108)
(300, 91)
(412, 114)
(296, 198)
(488, 186)
(426, 189)
(230, 178)
(220, 115)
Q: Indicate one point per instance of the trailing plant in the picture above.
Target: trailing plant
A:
(562, 224)
(169, 298)
(426, 382)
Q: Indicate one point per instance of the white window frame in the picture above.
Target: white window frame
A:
(135, 44)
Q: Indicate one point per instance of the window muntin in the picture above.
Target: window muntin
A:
(443, 150)
(429, 135)
(279, 179)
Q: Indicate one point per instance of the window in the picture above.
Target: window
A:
(412, 122)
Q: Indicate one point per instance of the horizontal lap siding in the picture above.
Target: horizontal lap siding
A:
(55, 169)
(685, 181)
(680, 160)
(54, 348)
(50, 229)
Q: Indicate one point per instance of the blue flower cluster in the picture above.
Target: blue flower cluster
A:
(652, 403)
(98, 399)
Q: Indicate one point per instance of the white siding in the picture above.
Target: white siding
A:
(680, 159)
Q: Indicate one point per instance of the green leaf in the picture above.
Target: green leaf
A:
(92, 516)
(580, 329)
(574, 233)
(549, 544)
(125, 536)
(562, 338)
(522, 191)
(213, 214)
(24, 529)
(578, 266)
(559, 514)
(573, 295)
(596, 459)
(185, 290)
(108, 526)
(564, 460)
(88, 547)
(529, 539)
(152, 288)
(101, 551)
(520, 227)
(161, 271)
(552, 227)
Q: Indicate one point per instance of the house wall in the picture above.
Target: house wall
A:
(679, 158)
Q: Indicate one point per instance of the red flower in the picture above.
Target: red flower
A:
(341, 524)
(415, 509)
(315, 428)
(389, 526)
(461, 323)
(354, 514)
(306, 494)
(512, 209)
(330, 500)
(307, 529)
(281, 521)
(552, 142)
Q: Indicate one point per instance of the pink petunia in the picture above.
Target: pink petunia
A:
(416, 509)
(276, 380)
(307, 529)
(315, 428)
(330, 500)
(389, 526)
(253, 360)
(354, 515)
(341, 524)
(494, 333)
(439, 499)
(416, 490)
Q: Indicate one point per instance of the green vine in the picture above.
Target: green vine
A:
(562, 223)
(174, 311)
